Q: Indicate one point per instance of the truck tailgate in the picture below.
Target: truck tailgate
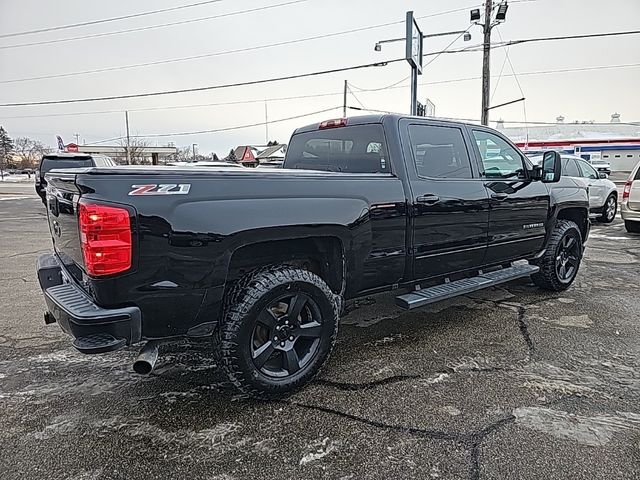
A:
(62, 205)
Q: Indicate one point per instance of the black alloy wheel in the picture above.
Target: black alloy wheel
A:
(568, 257)
(278, 330)
(286, 335)
(561, 259)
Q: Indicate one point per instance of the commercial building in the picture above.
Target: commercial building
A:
(617, 143)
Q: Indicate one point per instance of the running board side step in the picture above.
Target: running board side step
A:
(423, 297)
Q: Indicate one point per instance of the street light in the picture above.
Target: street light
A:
(413, 40)
(501, 15)
(467, 36)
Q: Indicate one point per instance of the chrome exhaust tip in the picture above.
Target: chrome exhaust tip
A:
(146, 359)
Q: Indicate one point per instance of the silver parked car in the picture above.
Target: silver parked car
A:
(603, 195)
(630, 208)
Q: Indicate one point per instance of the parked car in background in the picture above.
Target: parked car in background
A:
(603, 195)
(63, 160)
(630, 208)
(600, 165)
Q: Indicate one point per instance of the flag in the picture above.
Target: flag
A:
(60, 142)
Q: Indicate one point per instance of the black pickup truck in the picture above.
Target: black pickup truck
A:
(262, 261)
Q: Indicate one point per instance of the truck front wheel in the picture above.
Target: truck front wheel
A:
(560, 263)
(277, 332)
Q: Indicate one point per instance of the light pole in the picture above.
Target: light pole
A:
(414, 43)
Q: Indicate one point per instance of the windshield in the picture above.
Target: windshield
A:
(51, 163)
(355, 149)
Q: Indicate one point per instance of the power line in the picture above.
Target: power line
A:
(206, 55)
(435, 57)
(317, 95)
(517, 122)
(225, 52)
(238, 127)
(152, 27)
(202, 89)
(106, 20)
(566, 37)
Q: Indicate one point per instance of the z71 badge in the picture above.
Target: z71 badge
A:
(162, 189)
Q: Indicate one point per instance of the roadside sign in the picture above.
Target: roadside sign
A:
(414, 43)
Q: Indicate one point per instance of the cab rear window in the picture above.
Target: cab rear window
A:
(51, 163)
(353, 149)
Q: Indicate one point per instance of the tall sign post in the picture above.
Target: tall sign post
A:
(414, 57)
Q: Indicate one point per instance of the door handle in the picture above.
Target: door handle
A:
(428, 199)
(499, 196)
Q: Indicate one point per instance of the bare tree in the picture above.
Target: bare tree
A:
(29, 152)
(136, 150)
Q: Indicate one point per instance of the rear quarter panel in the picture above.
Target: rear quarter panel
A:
(186, 241)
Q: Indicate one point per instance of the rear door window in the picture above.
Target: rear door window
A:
(439, 152)
(352, 149)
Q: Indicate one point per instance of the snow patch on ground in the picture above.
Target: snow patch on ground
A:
(595, 431)
(451, 410)
(318, 449)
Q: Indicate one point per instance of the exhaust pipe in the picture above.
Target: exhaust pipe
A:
(146, 359)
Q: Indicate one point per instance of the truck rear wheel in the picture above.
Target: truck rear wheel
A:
(277, 332)
(560, 263)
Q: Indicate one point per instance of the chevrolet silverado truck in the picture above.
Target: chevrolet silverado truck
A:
(262, 261)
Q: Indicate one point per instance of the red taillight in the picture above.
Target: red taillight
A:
(627, 190)
(338, 122)
(105, 238)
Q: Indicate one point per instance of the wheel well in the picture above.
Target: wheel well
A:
(577, 215)
(320, 255)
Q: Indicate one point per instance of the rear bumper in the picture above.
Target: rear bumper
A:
(95, 329)
(628, 214)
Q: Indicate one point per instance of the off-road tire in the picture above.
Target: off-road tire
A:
(232, 339)
(547, 278)
(631, 226)
(604, 218)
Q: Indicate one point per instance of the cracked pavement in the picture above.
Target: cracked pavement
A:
(510, 382)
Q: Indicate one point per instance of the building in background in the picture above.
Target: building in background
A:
(618, 143)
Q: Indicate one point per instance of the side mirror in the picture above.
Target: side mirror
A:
(603, 175)
(551, 167)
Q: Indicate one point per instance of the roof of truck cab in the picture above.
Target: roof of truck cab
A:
(377, 118)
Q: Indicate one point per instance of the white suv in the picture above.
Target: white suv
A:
(603, 195)
(630, 208)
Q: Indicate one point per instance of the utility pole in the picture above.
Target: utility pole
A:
(486, 62)
(77, 135)
(266, 123)
(193, 146)
(126, 119)
(344, 99)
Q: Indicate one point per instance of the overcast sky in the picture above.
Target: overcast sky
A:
(586, 95)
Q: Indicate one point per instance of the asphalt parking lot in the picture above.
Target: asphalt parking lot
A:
(507, 383)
